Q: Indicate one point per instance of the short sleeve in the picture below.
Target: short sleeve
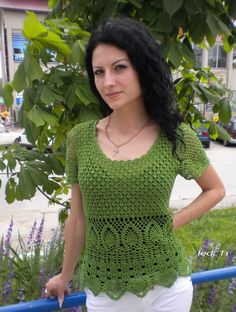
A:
(193, 156)
(71, 165)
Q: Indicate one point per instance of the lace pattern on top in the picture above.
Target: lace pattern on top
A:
(130, 244)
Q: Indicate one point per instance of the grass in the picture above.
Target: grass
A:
(213, 233)
(217, 225)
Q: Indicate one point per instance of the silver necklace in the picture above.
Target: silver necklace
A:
(116, 150)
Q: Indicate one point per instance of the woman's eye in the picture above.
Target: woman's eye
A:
(98, 72)
(120, 66)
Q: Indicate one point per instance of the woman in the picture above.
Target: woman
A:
(122, 169)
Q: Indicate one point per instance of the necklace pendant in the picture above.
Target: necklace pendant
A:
(116, 151)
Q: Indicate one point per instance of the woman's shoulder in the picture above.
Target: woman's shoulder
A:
(81, 127)
(80, 131)
(189, 137)
(185, 130)
(183, 126)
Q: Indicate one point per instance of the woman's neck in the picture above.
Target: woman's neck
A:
(127, 121)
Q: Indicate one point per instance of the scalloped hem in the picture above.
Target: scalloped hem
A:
(144, 286)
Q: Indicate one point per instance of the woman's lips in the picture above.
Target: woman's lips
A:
(113, 95)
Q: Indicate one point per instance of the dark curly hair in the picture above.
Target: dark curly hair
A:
(154, 75)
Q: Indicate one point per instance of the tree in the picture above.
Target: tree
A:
(56, 91)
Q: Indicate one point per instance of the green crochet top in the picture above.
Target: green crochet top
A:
(130, 245)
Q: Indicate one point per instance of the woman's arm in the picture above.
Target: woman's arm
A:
(74, 242)
(212, 192)
(74, 234)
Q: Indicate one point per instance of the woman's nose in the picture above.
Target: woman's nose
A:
(109, 79)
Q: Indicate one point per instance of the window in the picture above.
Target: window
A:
(234, 94)
(217, 57)
(198, 55)
(19, 46)
(234, 58)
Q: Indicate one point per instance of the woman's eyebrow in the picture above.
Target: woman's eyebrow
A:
(117, 61)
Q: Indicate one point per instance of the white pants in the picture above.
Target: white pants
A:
(177, 298)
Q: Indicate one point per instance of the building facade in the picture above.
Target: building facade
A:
(12, 41)
(223, 65)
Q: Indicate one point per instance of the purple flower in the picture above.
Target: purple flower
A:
(8, 237)
(206, 244)
(38, 238)
(230, 257)
(217, 248)
(21, 295)
(212, 295)
(30, 237)
(232, 286)
(7, 286)
(1, 254)
(201, 254)
(6, 291)
(234, 308)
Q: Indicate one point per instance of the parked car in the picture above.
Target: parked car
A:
(231, 130)
(23, 141)
(7, 138)
(203, 136)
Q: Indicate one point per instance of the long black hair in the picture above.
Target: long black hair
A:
(154, 75)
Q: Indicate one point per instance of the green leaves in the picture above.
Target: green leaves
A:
(28, 71)
(207, 95)
(224, 110)
(32, 66)
(78, 53)
(26, 185)
(172, 6)
(84, 93)
(7, 94)
(232, 9)
(176, 51)
(216, 25)
(32, 28)
(36, 116)
(198, 27)
(202, 87)
(42, 37)
(49, 95)
(10, 190)
(19, 81)
(39, 117)
(163, 23)
(34, 170)
(52, 3)
(207, 24)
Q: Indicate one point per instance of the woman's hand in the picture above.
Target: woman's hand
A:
(57, 286)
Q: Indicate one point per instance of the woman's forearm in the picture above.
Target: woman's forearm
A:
(212, 192)
(204, 202)
(74, 243)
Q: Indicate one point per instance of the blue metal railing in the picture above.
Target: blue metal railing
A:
(79, 298)
(47, 305)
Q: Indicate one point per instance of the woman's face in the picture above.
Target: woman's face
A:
(114, 76)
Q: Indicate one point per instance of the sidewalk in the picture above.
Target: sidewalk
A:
(227, 202)
(24, 214)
